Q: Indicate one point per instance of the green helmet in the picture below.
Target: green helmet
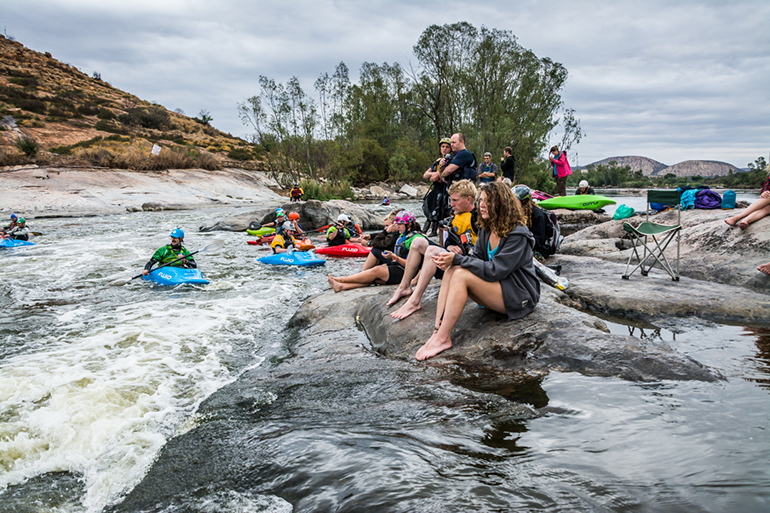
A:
(446, 140)
(20, 220)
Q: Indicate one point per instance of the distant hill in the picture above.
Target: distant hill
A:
(58, 105)
(652, 167)
(699, 168)
(647, 165)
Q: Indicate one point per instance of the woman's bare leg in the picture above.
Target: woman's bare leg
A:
(416, 252)
(423, 279)
(461, 284)
(377, 274)
(754, 216)
(370, 262)
(761, 203)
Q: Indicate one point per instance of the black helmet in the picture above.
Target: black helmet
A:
(522, 193)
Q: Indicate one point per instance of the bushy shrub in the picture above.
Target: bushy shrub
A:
(88, 109)
(36, 106)
(27, 146)
(105, 114)
(12, 158)
(152, 117)
(326, 191)
(240, 154)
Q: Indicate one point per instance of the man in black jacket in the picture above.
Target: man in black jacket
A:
(508, 165)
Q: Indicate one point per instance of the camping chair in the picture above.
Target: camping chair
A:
(655, 238)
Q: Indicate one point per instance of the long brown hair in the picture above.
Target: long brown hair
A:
(503, 209)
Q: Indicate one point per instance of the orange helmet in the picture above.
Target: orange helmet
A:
(293, 216)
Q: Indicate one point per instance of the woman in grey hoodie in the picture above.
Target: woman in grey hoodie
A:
(498, 275)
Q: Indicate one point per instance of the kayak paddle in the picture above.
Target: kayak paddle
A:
(217, 244)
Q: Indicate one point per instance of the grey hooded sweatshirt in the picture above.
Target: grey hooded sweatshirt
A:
(511, 265)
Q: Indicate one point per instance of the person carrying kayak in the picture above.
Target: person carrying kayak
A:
(20, 231)
(296, 193)
(171, 252)
(284, 240)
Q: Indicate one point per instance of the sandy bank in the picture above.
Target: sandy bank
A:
(61, 192)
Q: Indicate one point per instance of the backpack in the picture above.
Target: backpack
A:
(553, 236)
(728, 199)
(706, 198)
(688, 198)
(623, 212)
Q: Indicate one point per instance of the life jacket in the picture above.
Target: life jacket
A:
(464, 173)
(279, 241)
(172, 254)
(462, 230)
(340, 238)
(296, 192)
(404, 242)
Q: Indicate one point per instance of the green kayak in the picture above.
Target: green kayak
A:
(267, 230)
(584, 202)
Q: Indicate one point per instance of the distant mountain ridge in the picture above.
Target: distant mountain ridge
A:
(652, 167)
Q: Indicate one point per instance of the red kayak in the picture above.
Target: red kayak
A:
(267, 239)
(539, 195)
(344, 250)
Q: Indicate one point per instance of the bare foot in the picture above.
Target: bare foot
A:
(743, 225)
(406, 310)
(337, 286)
(730, 222)
(398, 294)
(764, 268)
(432, 347)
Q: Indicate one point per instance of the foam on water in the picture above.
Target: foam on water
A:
(102, 376)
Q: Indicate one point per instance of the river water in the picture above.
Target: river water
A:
(96, 379)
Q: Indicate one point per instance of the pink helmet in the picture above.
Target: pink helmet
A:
(404, 217)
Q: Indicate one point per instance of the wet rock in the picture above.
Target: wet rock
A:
(313, 214)
(489, 351)
(571, 221)
(155, 206)
(710, 250)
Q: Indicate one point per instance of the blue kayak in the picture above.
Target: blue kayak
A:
(13, 243)
(176, 276)
(301, 258)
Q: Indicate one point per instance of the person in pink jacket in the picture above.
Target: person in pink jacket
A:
(561, 169)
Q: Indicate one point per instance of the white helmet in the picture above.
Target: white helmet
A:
(343, 218)
(288, 225)
(583, 184)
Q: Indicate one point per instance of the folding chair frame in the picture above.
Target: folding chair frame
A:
(660, 235)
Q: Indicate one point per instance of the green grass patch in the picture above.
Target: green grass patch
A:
(326, 191)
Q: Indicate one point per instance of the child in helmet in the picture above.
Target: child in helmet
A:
(284, 240)
(171, 252)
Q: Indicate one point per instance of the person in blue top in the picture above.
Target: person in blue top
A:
(462, 166)
(499, 275)
(487, 171)
(171, 252)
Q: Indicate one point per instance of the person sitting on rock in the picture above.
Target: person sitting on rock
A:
(391, 272)
(284, 240)
(756, 211)
(764, 268)
(296, 193)
(171, 252)
(20, 231)
(499, 275)
(381, 242)
(536, 220)
(462, 225)
(584, 188)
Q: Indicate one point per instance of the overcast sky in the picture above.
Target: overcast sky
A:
(669, 80)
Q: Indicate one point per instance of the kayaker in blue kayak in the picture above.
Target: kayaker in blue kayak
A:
(171, 252)
(285, 239)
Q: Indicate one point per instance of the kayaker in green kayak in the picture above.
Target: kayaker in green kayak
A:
(280, 218)
(171, 252)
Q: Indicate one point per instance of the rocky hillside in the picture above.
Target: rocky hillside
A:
(58, 106)
(647, 165)
(652, 167)
(699, 168)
